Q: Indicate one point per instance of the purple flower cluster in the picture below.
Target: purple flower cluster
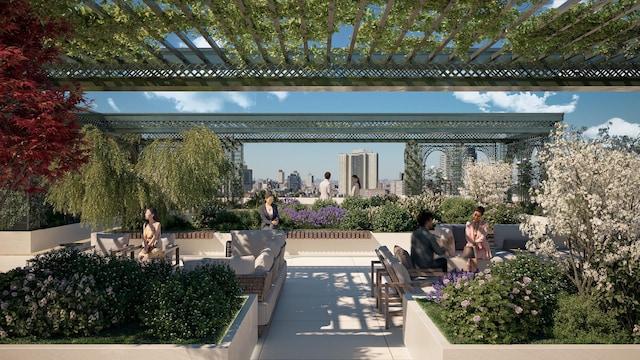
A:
(451, 278)
(327, 217)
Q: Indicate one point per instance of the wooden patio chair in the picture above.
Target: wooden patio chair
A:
(399, 282)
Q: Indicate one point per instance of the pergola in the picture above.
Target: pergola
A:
(349, 45)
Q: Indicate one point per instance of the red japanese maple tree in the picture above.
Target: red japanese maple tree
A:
(40, 138)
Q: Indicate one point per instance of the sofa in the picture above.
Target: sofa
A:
(452, 236)
(257, 257)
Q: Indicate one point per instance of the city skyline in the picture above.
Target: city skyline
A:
(581, 109)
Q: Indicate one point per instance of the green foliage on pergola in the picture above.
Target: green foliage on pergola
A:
(301, 32)
(329, 39)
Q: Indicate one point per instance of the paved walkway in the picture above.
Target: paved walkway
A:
(325, 312)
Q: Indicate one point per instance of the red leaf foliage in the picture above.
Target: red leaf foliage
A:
(40, 139)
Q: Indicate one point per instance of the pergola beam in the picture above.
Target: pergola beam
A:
(290, 127)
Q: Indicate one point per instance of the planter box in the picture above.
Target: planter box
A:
(424, 341)
(238, 344)
(29, 242)
(346, 247)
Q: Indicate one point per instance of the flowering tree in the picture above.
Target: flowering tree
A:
(591, 197)
(486, 183)
(40, 137)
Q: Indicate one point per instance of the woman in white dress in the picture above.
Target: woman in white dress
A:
(355, 188)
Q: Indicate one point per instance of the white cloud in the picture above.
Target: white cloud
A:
(198, 102)
(281, 95)
(113, 105)
(617, 127)
(200, 42)
(523, 102)
(557, 3)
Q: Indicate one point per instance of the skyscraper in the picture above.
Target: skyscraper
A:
(280, 177)
(361, 163)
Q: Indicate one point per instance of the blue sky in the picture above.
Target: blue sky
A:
(589, 109)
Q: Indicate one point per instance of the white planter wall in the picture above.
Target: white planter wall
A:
(28, 242)
(238, 344)
(424, 341)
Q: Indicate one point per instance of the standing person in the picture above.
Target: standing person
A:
(150, 233)
(325, 187)
(424, 244)
(269, 213)
(476, 235)
(355, 188)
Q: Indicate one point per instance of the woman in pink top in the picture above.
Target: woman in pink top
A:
(476, 234)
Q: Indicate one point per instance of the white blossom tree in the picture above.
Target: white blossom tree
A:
(486, 183)
(591, 197)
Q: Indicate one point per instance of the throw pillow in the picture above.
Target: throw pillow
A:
(243, 265)
(445, 238)
(264, 260)
(403, 256)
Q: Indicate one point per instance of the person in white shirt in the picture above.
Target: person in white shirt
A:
(355, 188)
(325, 187)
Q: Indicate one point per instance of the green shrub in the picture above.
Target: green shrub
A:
(548, 282)
(483, 308)
(177, 223)
(392, 218)
(502, 214)
(356, 219)
(236, 219)
(319, 204)
(205, 217)
(66, 293)
(355, 203)
(456, 210)
(198, 304)
(579, 319)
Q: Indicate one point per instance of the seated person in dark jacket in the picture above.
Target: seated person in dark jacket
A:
(424, 244)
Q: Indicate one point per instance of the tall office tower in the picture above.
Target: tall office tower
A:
(309, 182)
(361, 163)
(295, 182)
(247, 179)
(280, 177)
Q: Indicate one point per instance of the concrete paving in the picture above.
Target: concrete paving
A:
(325, 312)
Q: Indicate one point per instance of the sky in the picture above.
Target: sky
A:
(581, 109)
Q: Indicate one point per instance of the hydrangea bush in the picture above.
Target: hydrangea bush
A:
(491, 309)
(70, 293)
(511, 302)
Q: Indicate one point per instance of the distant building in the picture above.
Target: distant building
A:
(280, 177)
(295, 182)
(309, 182)
(361, 163)
(396, 187)
(247, 179)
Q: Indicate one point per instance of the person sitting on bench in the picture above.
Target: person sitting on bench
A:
(424, 244)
